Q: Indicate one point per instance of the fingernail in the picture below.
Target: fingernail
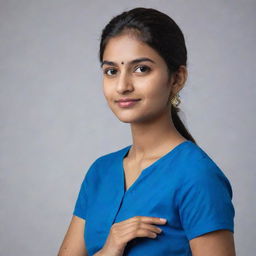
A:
(163, 220)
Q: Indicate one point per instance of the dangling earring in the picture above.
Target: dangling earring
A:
(175, 101)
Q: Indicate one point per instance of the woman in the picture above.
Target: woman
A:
(164, 173)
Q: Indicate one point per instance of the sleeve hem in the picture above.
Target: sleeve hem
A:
(79, 215)
(204, 230)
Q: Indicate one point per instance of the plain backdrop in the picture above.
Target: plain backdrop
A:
(55, 120)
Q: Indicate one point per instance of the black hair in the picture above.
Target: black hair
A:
(161, 33)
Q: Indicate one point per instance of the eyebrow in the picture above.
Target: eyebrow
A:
(130, 62)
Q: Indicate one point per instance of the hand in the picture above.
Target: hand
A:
(122, 232)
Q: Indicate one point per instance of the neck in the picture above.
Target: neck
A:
(154, 137)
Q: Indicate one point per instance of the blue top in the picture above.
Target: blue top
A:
(185, 186)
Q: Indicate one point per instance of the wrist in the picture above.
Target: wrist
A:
(104, 252)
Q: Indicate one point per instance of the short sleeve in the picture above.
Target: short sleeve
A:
(205, 200)
(81, 204)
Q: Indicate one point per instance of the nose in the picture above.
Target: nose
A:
(124, 83)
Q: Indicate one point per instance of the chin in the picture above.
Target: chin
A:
(126, 119)
(130, 116)
(133, 119)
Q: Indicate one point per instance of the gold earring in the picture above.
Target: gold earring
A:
(175, 101)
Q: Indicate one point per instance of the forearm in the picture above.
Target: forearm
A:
(99, 253)
(104, 253)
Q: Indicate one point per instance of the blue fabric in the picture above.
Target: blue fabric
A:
(185, 186)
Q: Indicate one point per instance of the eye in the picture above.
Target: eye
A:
(108, 69)
(143, 68)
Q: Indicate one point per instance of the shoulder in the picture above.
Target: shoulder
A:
(105, 162)
(112, 156)
(193, 160)
(204, 194)
(110, 159)
(191, 153)
(197, 168)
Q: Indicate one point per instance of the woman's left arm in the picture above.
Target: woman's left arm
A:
(216, 243)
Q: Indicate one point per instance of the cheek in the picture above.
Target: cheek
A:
(106, 91)
(155, 89)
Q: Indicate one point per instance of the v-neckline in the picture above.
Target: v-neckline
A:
(126, 151)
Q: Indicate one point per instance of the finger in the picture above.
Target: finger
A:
(139, 233)
(150, 227)
(147, 219)
(126, 228)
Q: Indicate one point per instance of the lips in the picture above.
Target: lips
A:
(127, 100)
(127, 103)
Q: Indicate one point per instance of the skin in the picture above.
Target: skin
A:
(152, 129)
(153, 135)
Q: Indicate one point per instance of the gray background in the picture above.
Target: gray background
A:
(55, 121)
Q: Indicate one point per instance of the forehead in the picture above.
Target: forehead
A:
(124, 48)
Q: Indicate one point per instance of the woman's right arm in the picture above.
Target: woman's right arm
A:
(120, 234)
(73, 243)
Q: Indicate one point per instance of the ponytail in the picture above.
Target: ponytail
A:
(179, 124)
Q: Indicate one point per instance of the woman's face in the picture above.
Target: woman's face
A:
(146, 81)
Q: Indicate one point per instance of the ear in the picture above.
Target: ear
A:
(178, 79)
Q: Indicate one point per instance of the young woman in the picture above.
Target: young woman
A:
(163, 174)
